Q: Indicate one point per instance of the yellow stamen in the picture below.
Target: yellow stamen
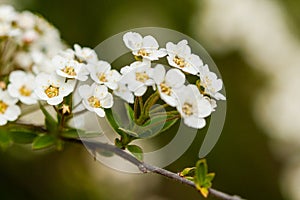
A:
(24, 91)
(3, 107)
(179, 61)
(102, 77)
(94, 102)
(187, 109)
(141, 76)
(143, 52)
(165, 89)
(69, 70)
(52, 91)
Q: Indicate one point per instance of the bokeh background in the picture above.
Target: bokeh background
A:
(255, 44)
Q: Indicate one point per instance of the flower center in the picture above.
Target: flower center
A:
(69, 70)
(179, 61)
(102, 77)
(24, 91)
(141, 76)
(3, 107)
(94, 102)
(165, 89)
(52, 91)
(187, 109)
(143, 52)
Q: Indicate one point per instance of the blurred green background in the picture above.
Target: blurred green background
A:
(242, 159)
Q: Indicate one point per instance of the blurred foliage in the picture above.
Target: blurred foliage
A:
(241, 159)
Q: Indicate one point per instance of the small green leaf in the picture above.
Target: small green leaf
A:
(130, 112)
(50, 122)
(201, 172)
(43, 141)
(136, 151)
(22, 136)
(5, 140)
(190, 171)
(204, 191)
(110, 117)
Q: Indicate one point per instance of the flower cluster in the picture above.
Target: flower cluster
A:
(27, 41)
(42, 70)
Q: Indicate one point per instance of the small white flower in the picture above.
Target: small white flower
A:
(7, 13)
(211, 84)
(23, 60)
(42, 63)
(101, 73)
(85, 54)
(9, 111)
(193, 107)
(53, 88)
(70, 68)
(146, 47)
(22, 86)
(26, 20)
(167, 83)
(180, 56)
(96, 98)
(138, 77)
(124, 93)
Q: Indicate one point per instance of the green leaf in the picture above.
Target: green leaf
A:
(190, 171)
(43, 141)
(50, 122)
(136, 151)
(110, 117)
(201, 172)
(130, 112)
(204, 191)
(22, 136)
(5, 140)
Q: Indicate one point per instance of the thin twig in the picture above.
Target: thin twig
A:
(145, 168)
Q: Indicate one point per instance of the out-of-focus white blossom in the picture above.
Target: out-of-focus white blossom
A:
(85, 54)
(9, 111)
(22, 87)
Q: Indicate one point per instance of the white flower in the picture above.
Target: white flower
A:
(70, 68)
(42, 63)
(180, 56)
(124, 93)
(53, 88)
(95, 98)
(26, 20)
(9, 111)
(23, 59)
(167, 83)
(146, 47)
(101, 73)
(85, 54)
(22, 86)
(7, 14)
(211, 84)
(138, 77)
(193, 107)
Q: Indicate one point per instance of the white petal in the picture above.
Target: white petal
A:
(85, 91)
(140, 91)
(170, 100)
(159, 73)
(150, 42)
(175, 78)
(194, 122)
(100, 112)
(3, 121)
(55, 100)
(133, 40)
(12, 113)
(100, 91)
(204, 107)
(107, 102)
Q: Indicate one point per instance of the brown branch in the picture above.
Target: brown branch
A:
(145, 168)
